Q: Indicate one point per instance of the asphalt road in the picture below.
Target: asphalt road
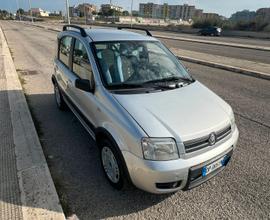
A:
(238, 53)
(242, 191)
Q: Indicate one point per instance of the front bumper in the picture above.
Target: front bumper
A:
(147, 174)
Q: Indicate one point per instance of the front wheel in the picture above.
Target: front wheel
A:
(112, 164)
(59, 98)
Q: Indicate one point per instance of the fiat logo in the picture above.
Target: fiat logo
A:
(212, 139)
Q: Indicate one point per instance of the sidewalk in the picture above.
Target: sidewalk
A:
(27, 191)
(10, 204)
(256, 69)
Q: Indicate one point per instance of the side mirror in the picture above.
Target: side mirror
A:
(84, 84)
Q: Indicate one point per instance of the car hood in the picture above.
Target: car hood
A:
(186, 113)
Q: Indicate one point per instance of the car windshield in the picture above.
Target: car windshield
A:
(131, 63)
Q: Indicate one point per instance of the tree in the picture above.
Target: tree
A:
(202, 23)
(125, 13)
(4, 14)
(20, 11)
(112, 12)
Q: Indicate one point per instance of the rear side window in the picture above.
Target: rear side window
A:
(64, 50)
(81, 63)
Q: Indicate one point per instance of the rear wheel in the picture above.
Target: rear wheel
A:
(59, 98)
(112, 164)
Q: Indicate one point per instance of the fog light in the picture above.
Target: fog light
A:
(170, 185)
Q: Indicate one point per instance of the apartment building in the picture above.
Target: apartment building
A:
(149, 10)
(105, 8)
(184, 12)
(82, 9)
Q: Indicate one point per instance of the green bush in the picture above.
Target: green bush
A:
(256, 24)
(203, 23)
(267, 28)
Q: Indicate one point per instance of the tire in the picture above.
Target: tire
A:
(60, 102)
(112, 164)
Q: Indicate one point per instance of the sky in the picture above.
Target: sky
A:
(222, 7)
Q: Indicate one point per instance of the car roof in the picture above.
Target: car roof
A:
(109, 34)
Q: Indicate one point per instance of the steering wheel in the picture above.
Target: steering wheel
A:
(151, 71)
(135, 76)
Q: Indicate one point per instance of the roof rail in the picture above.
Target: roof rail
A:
(82, 31)
(140, 29)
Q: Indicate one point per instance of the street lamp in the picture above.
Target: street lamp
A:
(67, 11)
(131, 8)
(85, 13)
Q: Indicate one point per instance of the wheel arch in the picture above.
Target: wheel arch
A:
(102, 133)
(53, 79)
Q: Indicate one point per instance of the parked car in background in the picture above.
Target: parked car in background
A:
(210, 31)
(153, 123)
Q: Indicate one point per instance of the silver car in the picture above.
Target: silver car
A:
(155, 125)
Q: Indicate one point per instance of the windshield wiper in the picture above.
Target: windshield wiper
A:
(169, 79)
(163, 81)
(125, 86)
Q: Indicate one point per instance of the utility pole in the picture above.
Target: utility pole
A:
(31, 14)
(67, 11)
(131, 8)
(85, 13)
(17, 2)
(113, 11)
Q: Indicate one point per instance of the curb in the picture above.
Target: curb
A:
(235, 45)
(226, 67)
(215, 43)
(39, 199)
(247, 72)
(42, 27)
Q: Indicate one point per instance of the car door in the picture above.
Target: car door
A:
(62, 63)
(81, 69)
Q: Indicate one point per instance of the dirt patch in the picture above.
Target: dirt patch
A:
(27, 72)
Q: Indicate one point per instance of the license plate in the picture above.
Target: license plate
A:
(213, 166)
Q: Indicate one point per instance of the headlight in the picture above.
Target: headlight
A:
(159, 149)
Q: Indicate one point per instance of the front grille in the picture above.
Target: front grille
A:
(200, 143)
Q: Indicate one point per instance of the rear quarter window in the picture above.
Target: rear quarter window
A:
(65, 49)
